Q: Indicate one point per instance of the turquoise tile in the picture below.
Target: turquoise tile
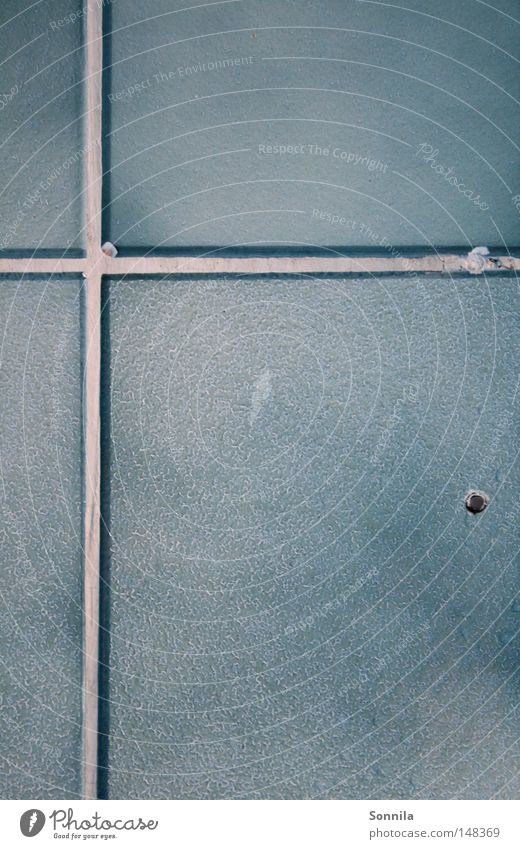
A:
(304, 125)
(40, 534)
(299, 603)
(43, 141)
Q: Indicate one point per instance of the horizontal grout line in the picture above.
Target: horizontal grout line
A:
(34, 265)
(148, 265)
(288, 265)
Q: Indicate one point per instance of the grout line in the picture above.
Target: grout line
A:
(33, 265)
(98, 264)
(91, 534)
(94, 160)
(91, 402)
(286, 265)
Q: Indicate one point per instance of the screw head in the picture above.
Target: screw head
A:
(476, 501)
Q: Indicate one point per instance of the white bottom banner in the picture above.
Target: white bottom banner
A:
(252, 824)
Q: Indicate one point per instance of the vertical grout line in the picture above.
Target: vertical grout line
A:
(94, 130)
(91, 402)
(91, 538)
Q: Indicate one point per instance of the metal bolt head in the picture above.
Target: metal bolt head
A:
(476, 501)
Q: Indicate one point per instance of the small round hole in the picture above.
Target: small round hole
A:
(476, 501)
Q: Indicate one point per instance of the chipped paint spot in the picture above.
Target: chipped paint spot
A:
(261, 393)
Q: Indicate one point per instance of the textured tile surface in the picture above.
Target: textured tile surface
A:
(42, 137)
(310, 123)
(40, 539)
(300, 604)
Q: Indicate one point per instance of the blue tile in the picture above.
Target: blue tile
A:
(43, 142)
(40, 532)
(307, 125)
(300, 604)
